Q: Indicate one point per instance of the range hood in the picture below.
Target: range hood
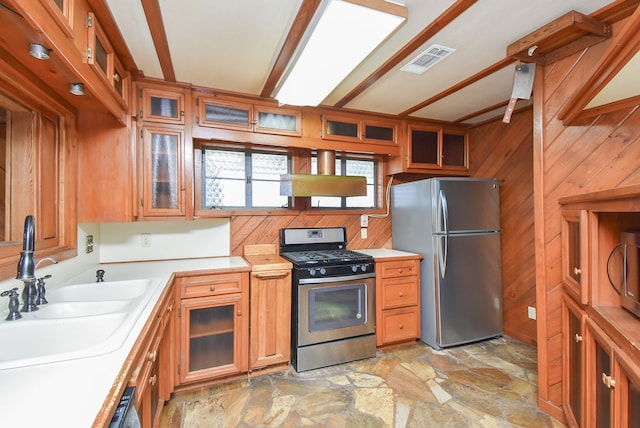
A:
(325, 183)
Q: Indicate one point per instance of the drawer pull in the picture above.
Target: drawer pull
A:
(608, 381)
(153, 379)
(212, 288)
(271, 275)
(577, 270)
(578, 338)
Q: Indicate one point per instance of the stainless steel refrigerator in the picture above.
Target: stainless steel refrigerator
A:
(455, 224)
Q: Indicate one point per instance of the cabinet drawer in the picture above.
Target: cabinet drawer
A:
(399, 292)
(211, 285)
(399, 268)
(400, 324)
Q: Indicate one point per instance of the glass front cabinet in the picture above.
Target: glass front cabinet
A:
(163, 192)
(214, 317)
(433, 148)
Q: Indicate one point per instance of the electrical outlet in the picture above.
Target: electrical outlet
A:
(89, 244)
(364, 220)
(145, 239)
(531, 312)
(363, 233)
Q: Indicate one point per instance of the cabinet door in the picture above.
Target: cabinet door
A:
(340, 128)
(454, 149)
(214, 337)
(627, 388)
(573, 319)
(270, 340)
(575, 261)
(378, 131)
(424, 147)
(277, 121)
(600, 381)
(163, 176)
(163, 106)
(224, 114)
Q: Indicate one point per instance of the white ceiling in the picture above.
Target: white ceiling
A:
(233, 45)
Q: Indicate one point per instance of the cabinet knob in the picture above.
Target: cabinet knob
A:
(170, 308)
(577, 270)
(578, 338)
(212, 288)
(401, 327)
(608, 381)
(153, 379)
(239, 312)
(401, 294)
(152, 356)
(400, 270)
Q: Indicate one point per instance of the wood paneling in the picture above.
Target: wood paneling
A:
(504, 151)
(265, 229)
(601, 153)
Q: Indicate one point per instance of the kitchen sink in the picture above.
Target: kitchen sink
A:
(81, 309)
(94, 291)
(80, 321)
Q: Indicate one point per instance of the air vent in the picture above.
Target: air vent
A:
(427, 59)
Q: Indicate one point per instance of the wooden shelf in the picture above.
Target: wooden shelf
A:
(561, 37)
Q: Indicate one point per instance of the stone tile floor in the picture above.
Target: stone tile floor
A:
(486, 384)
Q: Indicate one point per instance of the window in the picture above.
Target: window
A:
(349, 166)
(243, 178)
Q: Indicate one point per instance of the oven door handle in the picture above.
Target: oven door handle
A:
(323, 280)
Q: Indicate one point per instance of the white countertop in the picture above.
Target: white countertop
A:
(71, 393)
(384, 253)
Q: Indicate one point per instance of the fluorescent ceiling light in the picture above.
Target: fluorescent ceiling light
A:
(345, 34)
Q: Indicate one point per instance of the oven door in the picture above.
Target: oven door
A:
(335, 308)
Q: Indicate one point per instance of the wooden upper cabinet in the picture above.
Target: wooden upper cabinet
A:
(434, 149)
(162, 105)
(237, 115)
(102, 58)
(345, 128)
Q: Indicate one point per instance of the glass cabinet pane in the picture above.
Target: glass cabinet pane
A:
(424, 147)
(164, 171)
(164, 107)
(227, 114)
(382, 133)
(277, 121)
(211, 339)
(343, 129)
(603, 394)
(573, 241)
(453, 150)
(633, 415)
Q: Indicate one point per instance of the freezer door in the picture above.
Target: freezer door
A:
(468, 289)
(462, 205)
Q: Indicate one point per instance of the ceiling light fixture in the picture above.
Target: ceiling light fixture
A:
(39, 51)
(345, 33)
(76, 88)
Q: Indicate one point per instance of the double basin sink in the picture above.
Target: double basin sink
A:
(80, 321)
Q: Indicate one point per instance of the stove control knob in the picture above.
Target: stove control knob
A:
(312, 271)
(363, 268)
(354, 268)
(323, 271)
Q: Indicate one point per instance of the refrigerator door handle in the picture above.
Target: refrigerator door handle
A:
(443, 212)
(442, 254)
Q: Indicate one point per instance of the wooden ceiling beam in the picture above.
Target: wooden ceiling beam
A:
(428, 32)
(159, 36)
(303, 19)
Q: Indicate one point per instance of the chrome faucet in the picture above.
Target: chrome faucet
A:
(27, 267)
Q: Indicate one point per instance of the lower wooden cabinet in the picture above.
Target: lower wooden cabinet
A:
(397, 300)
(270, 326)
(152, 374)
(573, 394)
(214, 326)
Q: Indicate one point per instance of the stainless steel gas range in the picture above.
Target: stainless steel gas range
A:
(333, 289)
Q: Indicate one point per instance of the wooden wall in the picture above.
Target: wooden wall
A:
(505, 151)
(601, 153)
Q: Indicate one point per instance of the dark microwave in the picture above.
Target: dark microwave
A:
(630, 293)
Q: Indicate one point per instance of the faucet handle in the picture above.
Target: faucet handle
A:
(14, 304)
(100, 275)
(41, 300)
